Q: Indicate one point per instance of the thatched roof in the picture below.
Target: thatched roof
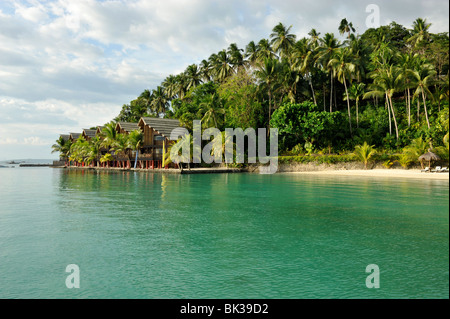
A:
(89, 133)
(75, 136)
(162, 126)
(127, 126)
(65, 137)
(430, 156)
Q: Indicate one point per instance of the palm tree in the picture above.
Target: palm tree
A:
(361, 54)
(62, 146)
(181, 85)
(251, 53)
(212, 109)
(343, 68)
(236, 57)
(346, 27)
(109, 135)
(170, 86)
(205, 70)
(268, 75)
(146, 98)
(355, 93)
(94, 149)
(193, 76)
(79, 150)
(314, 38)
(302, 62)
(364, 153)
(265, 51)
(325, 53)
(281, 39)
(422, 78)
(221, 65)
(121, 145)
(386, 82)
(160, 102)
(420, 33)
(405, 66)
(135, 140)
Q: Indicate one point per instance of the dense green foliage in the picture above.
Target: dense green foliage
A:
(387, 87)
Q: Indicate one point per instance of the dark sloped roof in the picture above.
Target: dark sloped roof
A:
(89, 133)
(162, 126)
(129, 127)
(65, 137)
(75, 136)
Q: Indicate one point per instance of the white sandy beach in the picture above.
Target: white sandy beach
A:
(397, 173)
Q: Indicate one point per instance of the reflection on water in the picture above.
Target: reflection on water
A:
(145, 235)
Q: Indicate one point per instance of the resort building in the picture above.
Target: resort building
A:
(156, 140)
(74, 136)
(126, 127)
(156, 133)
(88, 134)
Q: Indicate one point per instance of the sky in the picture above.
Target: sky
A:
(68, 65)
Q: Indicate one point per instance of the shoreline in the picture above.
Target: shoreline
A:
(388, 173)
(377, 172)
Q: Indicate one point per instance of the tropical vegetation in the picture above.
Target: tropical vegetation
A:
(387, 88)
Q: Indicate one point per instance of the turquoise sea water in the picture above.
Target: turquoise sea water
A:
(144, 235)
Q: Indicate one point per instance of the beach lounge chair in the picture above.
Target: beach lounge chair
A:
(444, 170)
(426, 170)
(436, 170)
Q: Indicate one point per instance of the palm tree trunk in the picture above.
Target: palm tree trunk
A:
(324, 98)
(357, 117)
(348, 107)
(418, 110)
(331, 94)
(425, 109)
(393, 116)
(389, 112)
(312, 90)
(270, 111)
(409, 108)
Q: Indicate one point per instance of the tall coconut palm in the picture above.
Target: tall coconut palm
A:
(302, 62)
(109, 135)
(236, 57)
(160, 102)
(94, 149)
(386, 82)
(170, 86)
(268, 74)
(265, 51)
(193, 76)
(314, 39)
(213, 111)
(135, 140)
(344, 69)
(420, 32)
(282, 40)
(325, 53)
(222, 65)
(205, 70)
(355, 93)
(405, 66)
(251, 53)
(121, 145)
(181, 85)
(422, 79)
(361, 54)
(346, 27)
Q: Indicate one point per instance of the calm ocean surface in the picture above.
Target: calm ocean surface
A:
(144, 235)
